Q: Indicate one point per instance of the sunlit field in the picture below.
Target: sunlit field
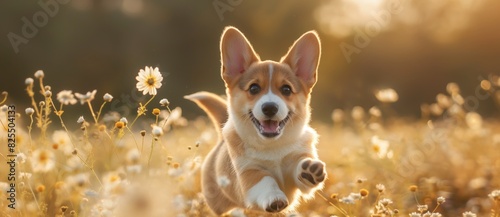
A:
(446, 163)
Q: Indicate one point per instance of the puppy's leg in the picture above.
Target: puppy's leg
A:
(262, 191)
(310, 174)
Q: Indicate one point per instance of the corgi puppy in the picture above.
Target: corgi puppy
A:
(266, 158)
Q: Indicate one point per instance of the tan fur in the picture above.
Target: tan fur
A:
(268, 174)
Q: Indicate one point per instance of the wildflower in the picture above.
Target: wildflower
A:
(173, 118)
(149, 80)
(164, 102)
(77, 181)
(124, 120)
(380, 188)
(380, 146)
(223, 181)
(48, 93)
(387, 95)
(133, 156)
(334, 196)
(40, 188)
(28, 81)
(495, 195)
(42, 160)
(385, 202)
(355, 196)
(469, 214)
(25, 176)
(347, 200)
(29, 111)
(101, 128)
(415, 214)
(62, 139)
(66, 97)
(21, 158)
(107, 97)
(39, 74)
(422, 208)
(363, 192)
(156, 111)
(157, 131)
(119, 124)
(441, 200)
(436, 214)
(89, 96)
(413, 188)
(80, 120)
(143, 132)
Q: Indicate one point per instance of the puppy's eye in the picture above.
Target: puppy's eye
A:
(286, 90)
(254, 89)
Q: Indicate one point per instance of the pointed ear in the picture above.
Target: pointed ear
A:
(237, 53)
(303, 57)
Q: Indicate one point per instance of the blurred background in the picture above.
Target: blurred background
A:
(414, 47)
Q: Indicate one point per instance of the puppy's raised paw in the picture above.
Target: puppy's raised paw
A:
(312, 171)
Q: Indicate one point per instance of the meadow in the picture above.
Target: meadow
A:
(446, 163)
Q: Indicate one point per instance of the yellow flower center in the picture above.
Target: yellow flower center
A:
(43, 157)
(150, 81)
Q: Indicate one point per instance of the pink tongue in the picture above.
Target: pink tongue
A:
(270, 126)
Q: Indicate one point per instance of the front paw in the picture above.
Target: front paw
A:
(311, 172)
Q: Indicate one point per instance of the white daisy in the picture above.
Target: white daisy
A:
(61, 138)
(66, 97)
(380, 146)
(89, 96)
(42, 160)
(149, 80)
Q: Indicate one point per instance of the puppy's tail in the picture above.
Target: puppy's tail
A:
(213, 105)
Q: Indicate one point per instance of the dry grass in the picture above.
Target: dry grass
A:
(447, 163)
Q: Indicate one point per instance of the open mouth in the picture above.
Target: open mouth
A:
(269, 128)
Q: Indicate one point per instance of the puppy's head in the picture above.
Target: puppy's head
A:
(269, 98)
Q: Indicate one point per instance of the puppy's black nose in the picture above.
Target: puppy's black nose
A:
(269, 109)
